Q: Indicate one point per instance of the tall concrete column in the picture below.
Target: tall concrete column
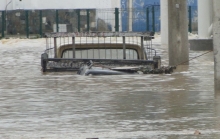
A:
(178, 32)
(204, 18)
(164, 22)
(216, 41)
(130, 15)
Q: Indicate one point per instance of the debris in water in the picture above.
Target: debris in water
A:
(197, 132)
(162, 70)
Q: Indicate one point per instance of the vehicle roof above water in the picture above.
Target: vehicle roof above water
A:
(99, 40)
(100, 46)
(100, 34)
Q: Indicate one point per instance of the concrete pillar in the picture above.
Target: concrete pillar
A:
(164, 22)
(204, 17)
(130, 15)
(216, 41)
(178, 32)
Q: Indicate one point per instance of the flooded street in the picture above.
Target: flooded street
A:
(65, 105)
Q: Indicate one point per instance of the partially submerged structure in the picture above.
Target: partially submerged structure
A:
(72, 51)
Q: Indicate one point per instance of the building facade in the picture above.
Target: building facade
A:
(146, 14)
(57, 4)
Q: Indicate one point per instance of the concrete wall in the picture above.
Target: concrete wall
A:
(177, 32)
(57, 4)
(216, 36)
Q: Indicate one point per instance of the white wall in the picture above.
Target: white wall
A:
(59, 4)
(115, 3)
(205, 12)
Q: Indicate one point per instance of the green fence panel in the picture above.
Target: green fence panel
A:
(38, 22)
(15, 23)
(32, 24)
(147, 20)
(153, 18)
(2, 22)
(49, 21)
(105, 20)
(116, 19)
(190, 19)
(41, 22)
(27, 23)
(57, 21)
(88, 19)
(78, 15)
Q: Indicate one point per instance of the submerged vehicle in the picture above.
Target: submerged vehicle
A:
(110, 53)
(90, 69)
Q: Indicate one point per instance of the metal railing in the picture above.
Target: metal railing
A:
(69, 51)
(27, 23)
(100, 40)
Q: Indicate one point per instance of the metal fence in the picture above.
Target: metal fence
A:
(147, 19)
(193, 18)
(37, 22)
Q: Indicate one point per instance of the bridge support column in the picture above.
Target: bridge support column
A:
(130, 15)
(204, 18)
(216, 41)
(164, 22)
(178, 32)
(205, 42)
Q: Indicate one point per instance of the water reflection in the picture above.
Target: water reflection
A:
(65, 105)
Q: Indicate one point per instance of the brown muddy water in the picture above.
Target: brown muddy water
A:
(34, 105)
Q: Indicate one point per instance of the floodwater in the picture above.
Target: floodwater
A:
(34, 105)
